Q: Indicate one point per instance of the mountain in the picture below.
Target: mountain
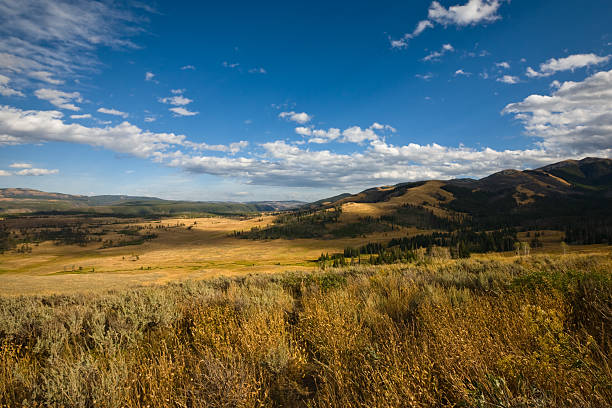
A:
(22, 200)
(573, 195)
(577, 178)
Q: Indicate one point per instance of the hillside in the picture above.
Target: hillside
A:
(568, 194)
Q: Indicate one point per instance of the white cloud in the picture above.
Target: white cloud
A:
(509, 79)
(378, 162)
(304, 131)
(435, 55)
(472, 13)
(45, 77)
(4, 173)
(257, 71)
(403, 42)
(355, 134)
(114, 112)
(462, 73)
(575, 119)
(149, 76)
(503, 64)
(177, 91)
(299, 117)
(49, 39)
(30, 126)
(177, 100)
(60, 99)
(230, 64)
(36, 172)
(150, 119)
(191, 67)
(180, 111)
(569, 63)
(425, 77)
(84, 116)
(21, 166)
(5, 90)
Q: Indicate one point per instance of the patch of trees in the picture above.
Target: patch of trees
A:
(589, 232)
(417, 216)
(299, 224)
(459, 244)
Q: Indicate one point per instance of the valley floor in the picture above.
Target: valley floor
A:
(192, 248)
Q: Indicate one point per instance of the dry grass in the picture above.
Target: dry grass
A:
(206, 251)
(484, 333)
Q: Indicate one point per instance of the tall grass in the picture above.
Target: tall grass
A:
(471, 333)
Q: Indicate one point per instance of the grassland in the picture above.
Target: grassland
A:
(499, 332)
(185, 248)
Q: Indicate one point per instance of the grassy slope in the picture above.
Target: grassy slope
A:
(521, 332)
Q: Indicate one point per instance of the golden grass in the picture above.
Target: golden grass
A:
(205, 251)
(529, 332)
(429, 195)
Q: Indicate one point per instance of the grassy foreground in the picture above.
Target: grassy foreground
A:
(483, 333)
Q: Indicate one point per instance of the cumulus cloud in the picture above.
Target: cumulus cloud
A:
(503, 64)
(177, 100)
(36, 172)
(569, 63)
(304, 131)
(353, 134)
(575, 119)
(31, 126)
(509, 79)
(114, 112)
(472, 13)
(180, 111)
(5, 90)
(435, 55)
(84, 116)
(20, 166)
(461, 72)
(4, 173)
(298, 117)
(149, 76)
(60, 99)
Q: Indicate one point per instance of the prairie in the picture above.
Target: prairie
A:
(505, 332)
(185, 248)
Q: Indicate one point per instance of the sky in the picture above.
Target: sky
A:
(245, 101)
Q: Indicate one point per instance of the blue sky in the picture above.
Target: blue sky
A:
(253, 101)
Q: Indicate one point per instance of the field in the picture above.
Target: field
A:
(185, 248)
(513, 332)
(110, 311)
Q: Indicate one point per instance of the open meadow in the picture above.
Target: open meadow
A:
(184, 248)
(532, 331)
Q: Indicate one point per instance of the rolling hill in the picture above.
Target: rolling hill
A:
(573, 194)
(21, 200)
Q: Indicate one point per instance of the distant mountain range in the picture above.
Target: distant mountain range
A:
(552, 194)
(568, 193)
(20, 200)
